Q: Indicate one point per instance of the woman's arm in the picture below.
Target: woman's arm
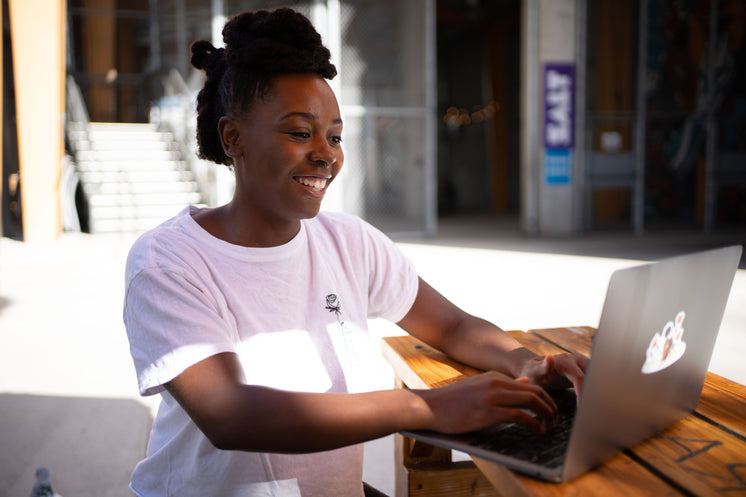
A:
(234, 415)
(237, 416)
(481, 344)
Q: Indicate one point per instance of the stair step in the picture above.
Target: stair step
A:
(138, 225)
(132, 155)
(122, 127)
(135, 188)
(86, 167)
(137, 176)
(144, 199)
(161, 212)
(148, 144)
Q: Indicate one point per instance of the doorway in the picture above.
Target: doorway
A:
(478, 46)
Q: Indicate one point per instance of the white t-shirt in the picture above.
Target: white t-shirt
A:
(296, 315)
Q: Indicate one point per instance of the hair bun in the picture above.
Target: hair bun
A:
(204, 54)
(259, 47)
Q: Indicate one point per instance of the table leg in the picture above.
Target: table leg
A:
(423, 470)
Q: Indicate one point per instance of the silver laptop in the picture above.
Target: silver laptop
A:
(648, 365)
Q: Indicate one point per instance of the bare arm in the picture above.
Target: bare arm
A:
(479, 343)
(234, 415)
(468, 339)
(237, 416)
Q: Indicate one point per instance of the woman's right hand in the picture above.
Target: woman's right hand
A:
(488, 399)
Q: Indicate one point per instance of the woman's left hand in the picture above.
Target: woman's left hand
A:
(556, 371)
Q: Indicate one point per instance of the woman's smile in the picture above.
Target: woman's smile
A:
(315, 183)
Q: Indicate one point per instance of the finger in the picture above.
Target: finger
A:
(543, 369)
(536, 400)
(573, 369)
(529, 387)
(577, 383)
(546, 410)
(549, 363)
(551, 371)
(522, 418)
(523, 394)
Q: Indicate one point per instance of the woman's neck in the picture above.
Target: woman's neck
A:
(238, 227)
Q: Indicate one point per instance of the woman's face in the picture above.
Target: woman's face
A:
(286, 149)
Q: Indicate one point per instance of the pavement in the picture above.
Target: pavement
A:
(68, 396)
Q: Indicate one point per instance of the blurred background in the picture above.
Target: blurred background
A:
(518, 151)
(451, 108)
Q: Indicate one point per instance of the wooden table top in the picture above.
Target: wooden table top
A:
(703, 455)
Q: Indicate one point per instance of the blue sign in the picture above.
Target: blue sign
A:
(557, 166)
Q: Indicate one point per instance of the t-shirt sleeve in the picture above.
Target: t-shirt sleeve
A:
(393, 280)
(171, 325)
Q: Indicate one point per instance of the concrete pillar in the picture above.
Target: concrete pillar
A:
(548, 122)
(38, 39)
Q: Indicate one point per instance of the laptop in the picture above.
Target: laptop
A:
(648, 364)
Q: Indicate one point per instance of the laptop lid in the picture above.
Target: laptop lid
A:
(650, 353)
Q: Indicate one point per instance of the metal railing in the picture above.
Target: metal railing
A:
(175, 112)
(76, 120)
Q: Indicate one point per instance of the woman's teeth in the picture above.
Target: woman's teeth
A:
(313, 183)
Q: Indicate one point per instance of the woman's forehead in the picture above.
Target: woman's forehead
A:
(305, 96)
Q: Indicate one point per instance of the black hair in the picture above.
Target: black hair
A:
(259, 46)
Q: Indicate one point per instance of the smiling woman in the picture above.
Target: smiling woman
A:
(251, 319)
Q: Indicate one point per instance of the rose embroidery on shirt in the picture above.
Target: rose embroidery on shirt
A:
(333, 305)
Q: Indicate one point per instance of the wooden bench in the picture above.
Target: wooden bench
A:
(703, 455)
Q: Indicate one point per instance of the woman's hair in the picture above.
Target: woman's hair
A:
(259, 46)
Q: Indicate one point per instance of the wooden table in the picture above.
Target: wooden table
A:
(704, 454)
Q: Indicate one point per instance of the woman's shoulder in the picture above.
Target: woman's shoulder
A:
(340, 223)
(325, 217)
(344, 228)
(348, 231)
(169, 243)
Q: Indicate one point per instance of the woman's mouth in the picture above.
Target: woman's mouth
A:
(314, 183)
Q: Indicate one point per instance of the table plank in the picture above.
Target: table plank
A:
(536, 343)
(698, 456)
(723, 401)
(577, 339)
(419, 365)
(621, 475)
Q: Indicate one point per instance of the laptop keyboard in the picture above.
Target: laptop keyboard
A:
(548, 449)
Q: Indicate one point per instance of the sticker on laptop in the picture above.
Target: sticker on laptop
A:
(666, 347)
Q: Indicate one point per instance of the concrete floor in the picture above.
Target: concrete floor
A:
(68, 398)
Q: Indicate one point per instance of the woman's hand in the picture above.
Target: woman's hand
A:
(556, 371)
(488, 399)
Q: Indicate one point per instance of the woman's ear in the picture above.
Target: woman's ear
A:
(229, 137)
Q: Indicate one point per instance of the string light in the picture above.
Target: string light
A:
(459, 116)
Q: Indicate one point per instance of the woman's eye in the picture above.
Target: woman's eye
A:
(336, 140)
(301, 134)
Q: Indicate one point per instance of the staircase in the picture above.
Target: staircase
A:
(134, 175)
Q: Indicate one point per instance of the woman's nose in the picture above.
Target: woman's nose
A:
(324, 154)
